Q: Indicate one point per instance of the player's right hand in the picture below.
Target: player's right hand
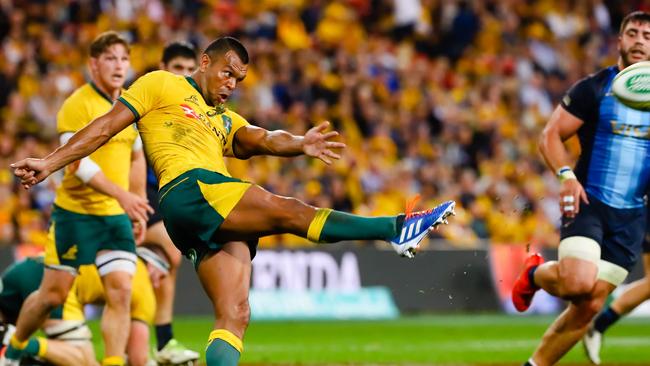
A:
(571, 193)
(30, 171)
(136, 207)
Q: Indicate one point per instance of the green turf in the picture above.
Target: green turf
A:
(439, 339)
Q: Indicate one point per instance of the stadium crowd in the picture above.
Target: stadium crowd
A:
(445, 99)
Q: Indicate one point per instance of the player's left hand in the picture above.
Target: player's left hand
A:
(139, 231)
(318, 145)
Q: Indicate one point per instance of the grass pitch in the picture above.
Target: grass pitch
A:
(430, 340)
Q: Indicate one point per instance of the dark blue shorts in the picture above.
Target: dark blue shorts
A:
(646, 237)
(620, 232)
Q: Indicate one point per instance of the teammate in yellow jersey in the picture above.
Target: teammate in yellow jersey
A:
(186, 130)
(68, 339)
(99, 198)
(178, 58)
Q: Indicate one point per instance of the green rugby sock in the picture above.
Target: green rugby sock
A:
(331, 226)
(224, 348)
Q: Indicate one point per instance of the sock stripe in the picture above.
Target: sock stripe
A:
(113, 361)
(42, 346)
(228, 337)
(317, 224)
(15, 343)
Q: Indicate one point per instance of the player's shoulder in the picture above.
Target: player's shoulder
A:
(593, 85)
(160, 76)
(603, 75)
(80, 95)
(234, 115)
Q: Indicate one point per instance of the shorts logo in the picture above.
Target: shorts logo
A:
(189, 112)
(227, 123)
(71, 254)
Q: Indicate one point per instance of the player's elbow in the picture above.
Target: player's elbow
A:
(544, 139)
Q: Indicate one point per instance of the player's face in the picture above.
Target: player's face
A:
(180, 66)
(111, 66)
(634, 43)
(222, 76)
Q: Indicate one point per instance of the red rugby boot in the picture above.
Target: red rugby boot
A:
(523, 291)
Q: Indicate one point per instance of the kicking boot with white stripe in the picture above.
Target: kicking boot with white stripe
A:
(417, 225)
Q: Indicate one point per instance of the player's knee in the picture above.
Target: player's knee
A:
(118, 293)
(284, 212)
(571, 287)
(53, 298)
(237, 315)
(242, 315)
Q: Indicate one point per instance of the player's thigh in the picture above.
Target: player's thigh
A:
(55, 285)
(646, 250)
(225, 276)
(261, 212)
(579, 251)
(71, 240)
(622, 243)
(157, 234)
(116, 259)
(194, 206)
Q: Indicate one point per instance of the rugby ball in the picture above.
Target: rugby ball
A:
(632, 86)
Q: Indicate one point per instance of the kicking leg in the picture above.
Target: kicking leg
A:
(225, 276)
(260, 213)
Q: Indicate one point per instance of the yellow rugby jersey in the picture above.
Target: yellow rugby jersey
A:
(114, 158)
(179, 131)
(88, 289)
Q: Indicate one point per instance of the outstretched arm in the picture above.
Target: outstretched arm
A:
(83, 143)
(559, 128)
(251, 140)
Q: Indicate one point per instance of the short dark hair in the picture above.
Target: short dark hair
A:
(178, 49)
(224, 44)
(636, 17)
(103, 41)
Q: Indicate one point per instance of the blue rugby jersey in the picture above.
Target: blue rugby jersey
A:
(614, 165)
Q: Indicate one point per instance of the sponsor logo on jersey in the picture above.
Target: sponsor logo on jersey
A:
(227, 123)
(191, 113)
(192, 99)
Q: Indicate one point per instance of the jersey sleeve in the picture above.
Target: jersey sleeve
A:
(236, 122)
(581, 100)
(143, 299)
(71, 117)
(144, 94)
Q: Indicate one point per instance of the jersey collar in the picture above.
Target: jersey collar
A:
(194, 84)
(100, 92)
(220, 108)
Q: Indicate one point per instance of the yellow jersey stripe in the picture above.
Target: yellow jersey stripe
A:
(172, 187)
(317, 224)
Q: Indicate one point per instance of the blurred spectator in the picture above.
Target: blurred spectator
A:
(441, 98)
